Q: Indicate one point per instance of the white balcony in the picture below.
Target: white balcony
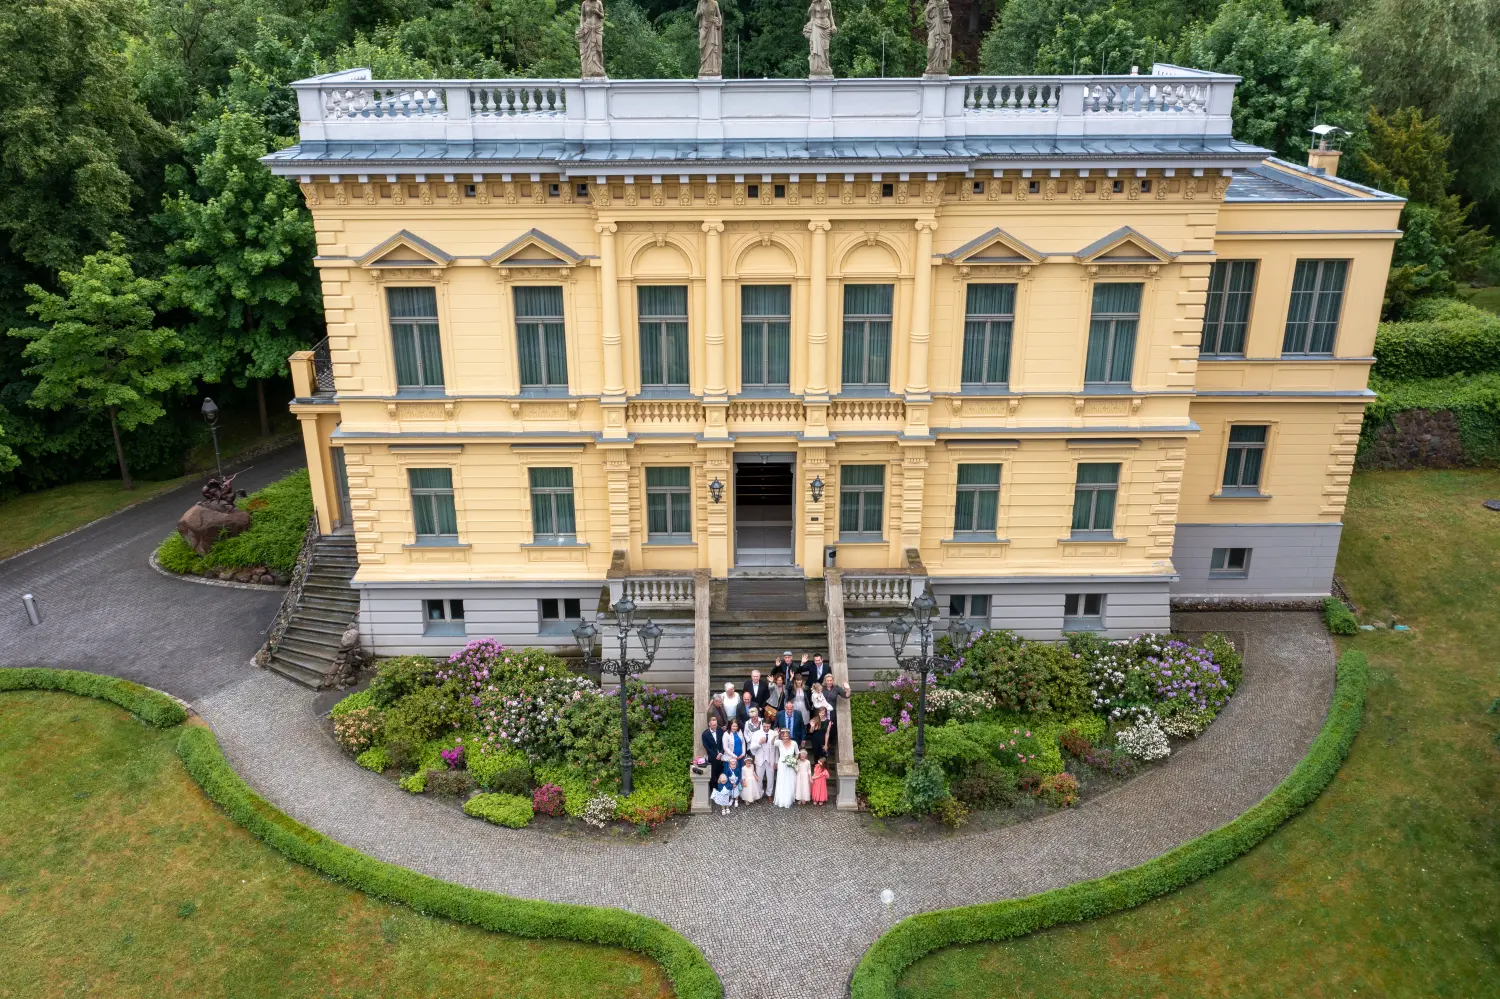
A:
(350, 116)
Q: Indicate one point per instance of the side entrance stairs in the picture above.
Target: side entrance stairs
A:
(324, 610)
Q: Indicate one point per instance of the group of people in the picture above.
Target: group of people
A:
(774, 737)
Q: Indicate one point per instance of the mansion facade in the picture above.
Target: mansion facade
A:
(1063, 349)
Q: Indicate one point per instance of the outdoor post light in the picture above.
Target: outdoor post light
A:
(899, 630)
(817, 489)
(211, 414)
(716, 489)
(650, 635)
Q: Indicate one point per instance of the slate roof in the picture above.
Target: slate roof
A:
(1295, 183)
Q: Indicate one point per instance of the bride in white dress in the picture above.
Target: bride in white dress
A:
(786, 772)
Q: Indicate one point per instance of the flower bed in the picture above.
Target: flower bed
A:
(266, 553)
(1015, 721)
(517, 723)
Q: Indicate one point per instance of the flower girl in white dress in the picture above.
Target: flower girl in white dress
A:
(749, 785)
(804, 779)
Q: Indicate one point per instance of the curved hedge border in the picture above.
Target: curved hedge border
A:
(917, 936)
(691, 976)
(689, 972)
(151, 706)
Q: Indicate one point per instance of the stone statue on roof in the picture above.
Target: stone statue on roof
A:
(939, 20)
(590, 35)
(710, 39)
(819, 30)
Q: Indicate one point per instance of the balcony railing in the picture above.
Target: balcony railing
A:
(1170, 100)
(323, 367)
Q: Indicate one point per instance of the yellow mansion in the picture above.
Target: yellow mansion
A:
(1061, 349)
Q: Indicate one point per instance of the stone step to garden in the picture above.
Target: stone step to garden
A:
(320, 617)
(329, 577)
(301, 646)
(321, 631)
(309, 671)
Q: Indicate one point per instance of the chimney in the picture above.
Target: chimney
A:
(1320, 158)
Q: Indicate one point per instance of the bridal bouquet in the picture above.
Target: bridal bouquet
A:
(790, 762)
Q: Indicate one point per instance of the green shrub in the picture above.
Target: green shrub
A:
(415, 783)
(1229, 660)
(506, 771)
(576, 786)
(509, 810)
(397, 677)
(1066, 687)
(690, 974)
(951, 812)
(910, 940)
(150, 706)
(1439, 337)
(925, 786)
(355, 701)
(278, 520)
(988, 785)
(1340, 620)
(651, 806)
(376, 759)
(453, 783)
(426, 713)
(951, 747)
(884, 793)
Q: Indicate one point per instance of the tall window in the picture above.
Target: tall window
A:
(669, 508)
(540, 337)
(1230, 287)
(552, 517)
(978, 500)
(867, 334)
(1117, 313)
(432, 503)
(988, 322)
(861, 499)
(414, 337)
(664, 335)
(1247, 450)
(1094, 498)
(1312, 320)
(765, 335)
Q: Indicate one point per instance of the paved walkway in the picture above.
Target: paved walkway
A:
(108, 611)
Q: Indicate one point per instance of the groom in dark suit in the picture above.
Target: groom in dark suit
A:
(789, 719)
(757, 690)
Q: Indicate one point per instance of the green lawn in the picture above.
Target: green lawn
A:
(119, 878)
(1389, 884)
(33, 518)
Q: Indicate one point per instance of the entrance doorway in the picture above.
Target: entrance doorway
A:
(345, 519)
(764, 485)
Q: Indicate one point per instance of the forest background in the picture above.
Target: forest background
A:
(147, 258)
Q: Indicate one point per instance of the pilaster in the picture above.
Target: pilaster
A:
(613, 398)
(917, 388)
(815, 532)
(913, 482)
(617, 484)
(715, 388)
(717, 542)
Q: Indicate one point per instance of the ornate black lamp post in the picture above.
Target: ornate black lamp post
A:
(624, 667)
(899, 631)
(211, 414)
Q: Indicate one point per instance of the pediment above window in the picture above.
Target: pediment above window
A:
(995, 247)
(1124, 246)
(535, 249)
(405, 251)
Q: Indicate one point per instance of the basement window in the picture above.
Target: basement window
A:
(1083, 612)
(1229, 563)
(444, 618)
(558, 615)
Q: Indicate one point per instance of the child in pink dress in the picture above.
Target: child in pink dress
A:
(820, 784)
(804, 779)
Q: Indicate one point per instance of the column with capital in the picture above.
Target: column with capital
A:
(816, 395)
(715, 385)
(613, 397)
(917, 388)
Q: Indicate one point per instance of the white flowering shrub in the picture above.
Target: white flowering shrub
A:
(600, 811)
(1187, 726)
(1144, 740)
(960, 705)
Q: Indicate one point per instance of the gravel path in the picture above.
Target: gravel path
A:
(692, 878)
(106, 610)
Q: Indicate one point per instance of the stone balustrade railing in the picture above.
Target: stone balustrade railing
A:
(893, 588)
(660, 590)
(1170, 100)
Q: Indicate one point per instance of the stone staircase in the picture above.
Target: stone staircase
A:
(760, 620)
(324, 610)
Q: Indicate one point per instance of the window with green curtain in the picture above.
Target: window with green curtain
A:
(1112, 328)
(765, 335)
(861, 499)
(432, 502)
(664, 335)
(541, 337)
(1094, 498)
(552, 514)
(977, 504)
(414, 337)
(1247, 449)
(867, 334)
(989, 317)
(669, 510)
(1227, 314)
(1312, 318)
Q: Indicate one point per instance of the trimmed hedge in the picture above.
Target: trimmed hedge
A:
(691, 976)
(1474, 401)
(1439, 337)
(1339, 618)
(151, 706)
(913, 938)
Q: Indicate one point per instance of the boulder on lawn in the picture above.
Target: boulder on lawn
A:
(200, 527)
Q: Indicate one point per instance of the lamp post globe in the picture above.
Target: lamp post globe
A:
(210, 413)
(898, 630)
(585, 635)
(922, 608)
(625, 613)
(651, 634)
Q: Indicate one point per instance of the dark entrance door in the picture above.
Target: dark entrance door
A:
(763, 518)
